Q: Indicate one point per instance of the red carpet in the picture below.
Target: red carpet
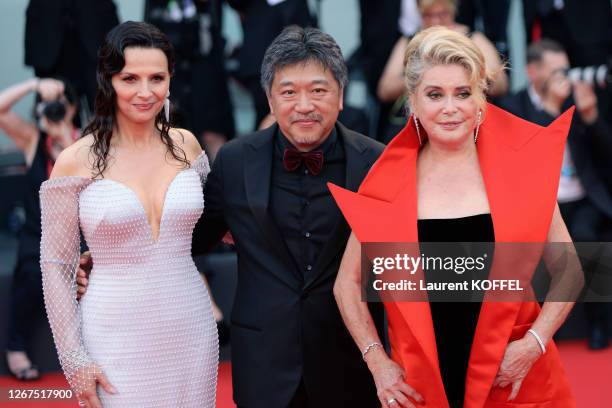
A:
(589, 372)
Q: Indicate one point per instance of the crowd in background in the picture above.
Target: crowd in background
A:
(567, 43)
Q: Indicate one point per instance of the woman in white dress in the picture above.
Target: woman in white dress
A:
(145, 334)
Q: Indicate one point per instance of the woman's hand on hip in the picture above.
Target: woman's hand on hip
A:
(82, 275)
(518, 359)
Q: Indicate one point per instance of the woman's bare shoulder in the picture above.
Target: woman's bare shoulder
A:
(186, 141)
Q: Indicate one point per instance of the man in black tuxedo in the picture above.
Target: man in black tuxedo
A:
(585, 187)
(62, 39)
(290, 347)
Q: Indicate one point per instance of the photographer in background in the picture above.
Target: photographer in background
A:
(585, 189)
(41, 141)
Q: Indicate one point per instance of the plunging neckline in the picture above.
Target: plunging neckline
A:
(142, 207)
(133, 192)
(163, 208)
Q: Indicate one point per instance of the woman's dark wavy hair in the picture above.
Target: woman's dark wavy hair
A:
(111, 60)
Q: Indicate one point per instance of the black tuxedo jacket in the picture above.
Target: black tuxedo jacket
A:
(590, 147)
(284, 328)
(46, 24)
(520, 104)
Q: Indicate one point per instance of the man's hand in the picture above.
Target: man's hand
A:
(83, 271)
(558, 88)
(586, 102)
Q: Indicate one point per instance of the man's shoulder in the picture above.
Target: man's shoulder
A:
(255, 139)
(361, 141)
(515, 102)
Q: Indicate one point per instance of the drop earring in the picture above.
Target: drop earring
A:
(167, 107)
(477, 126)
(418, 130)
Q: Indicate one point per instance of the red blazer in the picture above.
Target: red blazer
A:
(520, 164)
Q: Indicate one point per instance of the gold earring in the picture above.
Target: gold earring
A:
(477, 126)
(416, 125)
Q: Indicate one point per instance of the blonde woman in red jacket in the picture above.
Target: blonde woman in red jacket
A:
(453, 170)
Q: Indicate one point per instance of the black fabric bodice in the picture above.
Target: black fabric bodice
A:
(455, 321)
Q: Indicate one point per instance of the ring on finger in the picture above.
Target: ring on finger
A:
(391, 401)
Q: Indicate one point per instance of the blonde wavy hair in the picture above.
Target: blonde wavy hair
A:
(442, 46)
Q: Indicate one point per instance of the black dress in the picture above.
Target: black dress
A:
(26, 303)
(455, 321)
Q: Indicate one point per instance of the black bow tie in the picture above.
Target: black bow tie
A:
(313, 160)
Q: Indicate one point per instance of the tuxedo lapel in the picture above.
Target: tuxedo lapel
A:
(258, 157)
(357, 163)
(357, 166)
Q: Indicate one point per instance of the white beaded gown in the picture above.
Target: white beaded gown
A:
(146, 319)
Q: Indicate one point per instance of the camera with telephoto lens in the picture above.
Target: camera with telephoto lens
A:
(54, 111)
(596, 76)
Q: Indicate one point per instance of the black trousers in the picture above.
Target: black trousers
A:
(26, 303)
(300, 398)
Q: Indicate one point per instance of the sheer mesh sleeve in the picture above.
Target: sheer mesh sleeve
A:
(59, 255)
(201, 166)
